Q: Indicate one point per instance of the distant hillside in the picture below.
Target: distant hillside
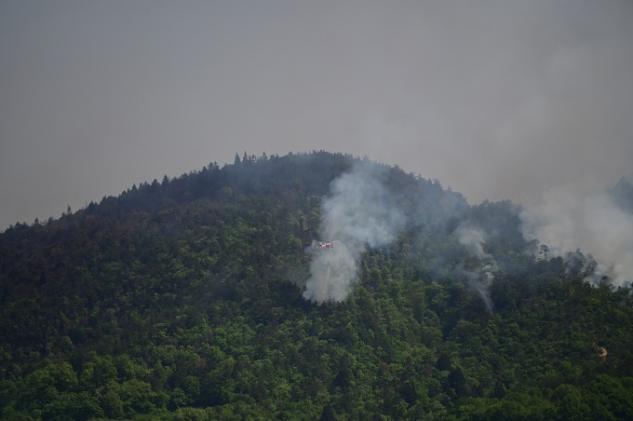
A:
(182, 299)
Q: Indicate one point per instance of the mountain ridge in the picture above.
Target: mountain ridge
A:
(182, 299)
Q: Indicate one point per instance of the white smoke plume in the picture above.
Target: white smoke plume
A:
(359, 213)
(593, 223)
(480, 277)
(473, 239)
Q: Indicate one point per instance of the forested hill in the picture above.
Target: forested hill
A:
(183, 299)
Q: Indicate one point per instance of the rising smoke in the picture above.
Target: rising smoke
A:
(594, 223)
(359, 213)
(481, 275)
(473, 239)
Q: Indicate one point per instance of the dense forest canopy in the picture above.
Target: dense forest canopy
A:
(184, 299)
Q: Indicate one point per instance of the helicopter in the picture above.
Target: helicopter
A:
(326, 244)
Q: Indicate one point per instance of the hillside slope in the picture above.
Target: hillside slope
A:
(182, 299)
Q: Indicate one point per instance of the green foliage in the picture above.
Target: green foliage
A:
(181, 300)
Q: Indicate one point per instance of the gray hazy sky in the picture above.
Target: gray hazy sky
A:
(496, 99)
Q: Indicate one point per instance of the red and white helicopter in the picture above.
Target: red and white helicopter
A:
(326, 244)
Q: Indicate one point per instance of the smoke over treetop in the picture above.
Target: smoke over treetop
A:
(370, 205)
(480, 277)
(359, 213)
(360, 208)
(596, 223)
(473, 239)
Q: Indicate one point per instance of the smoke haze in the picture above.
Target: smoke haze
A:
(496, 99)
